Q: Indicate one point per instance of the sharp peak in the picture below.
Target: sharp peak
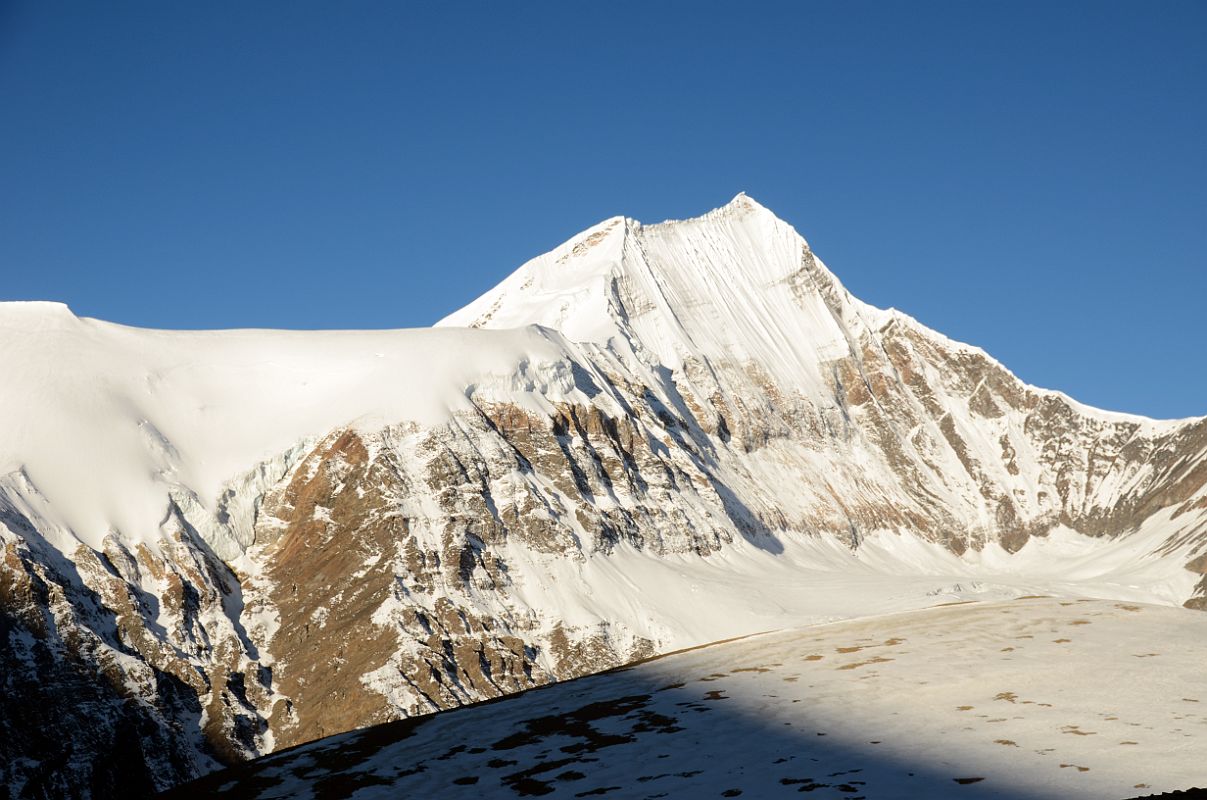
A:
(742, 205)
(742, 209)
(743, 200)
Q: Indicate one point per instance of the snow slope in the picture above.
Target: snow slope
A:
(111, 416)
(1035, 698)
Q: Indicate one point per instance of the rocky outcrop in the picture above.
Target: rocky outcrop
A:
(109, 689)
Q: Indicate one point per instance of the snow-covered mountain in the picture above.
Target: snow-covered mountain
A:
(219, 544)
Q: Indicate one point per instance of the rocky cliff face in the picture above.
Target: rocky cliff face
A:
(699, 400)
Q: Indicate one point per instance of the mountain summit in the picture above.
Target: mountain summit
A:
(220, 544)
(736, 321)
(735, 283)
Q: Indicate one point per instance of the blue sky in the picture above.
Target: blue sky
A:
(1031, 178)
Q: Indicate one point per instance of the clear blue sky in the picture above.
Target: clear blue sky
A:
(1031, 178)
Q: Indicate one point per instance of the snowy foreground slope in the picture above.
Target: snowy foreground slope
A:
(220, 544)
(1034, 698)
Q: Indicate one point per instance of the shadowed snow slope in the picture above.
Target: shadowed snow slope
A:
(652, 437)
(1034, 698)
